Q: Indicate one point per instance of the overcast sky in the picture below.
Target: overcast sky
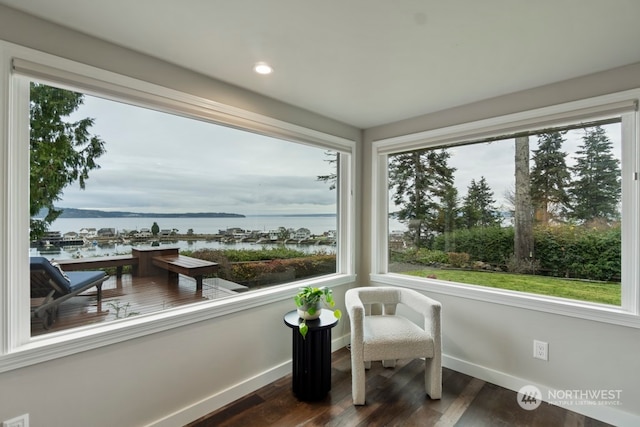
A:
(495, 161)
(157, 162)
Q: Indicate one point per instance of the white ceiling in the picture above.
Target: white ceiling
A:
(368, 62)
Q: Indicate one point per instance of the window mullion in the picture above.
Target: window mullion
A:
(630, 292)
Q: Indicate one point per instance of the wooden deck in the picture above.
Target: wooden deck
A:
(130, 296)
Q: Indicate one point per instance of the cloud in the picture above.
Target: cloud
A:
(157, 162)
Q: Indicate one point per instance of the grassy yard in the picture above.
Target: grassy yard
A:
(600, 292)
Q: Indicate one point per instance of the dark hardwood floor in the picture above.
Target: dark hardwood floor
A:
(395, 397)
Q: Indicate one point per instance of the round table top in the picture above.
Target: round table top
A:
(325, 321)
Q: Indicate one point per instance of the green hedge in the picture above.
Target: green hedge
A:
(266, 266)
(493, 245)
(581, 252)
(561, 250)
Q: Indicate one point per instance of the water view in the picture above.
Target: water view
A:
(317, 225)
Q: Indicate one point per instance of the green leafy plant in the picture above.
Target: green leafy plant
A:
(311, 300)
(122, 310)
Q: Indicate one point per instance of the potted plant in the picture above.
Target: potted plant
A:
(310, 301)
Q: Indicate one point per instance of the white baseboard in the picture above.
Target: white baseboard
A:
(224, 397)
(607, 414)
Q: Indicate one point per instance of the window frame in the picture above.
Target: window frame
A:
(19, 64)
(624, 104)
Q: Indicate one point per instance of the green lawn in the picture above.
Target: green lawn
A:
(600, 292)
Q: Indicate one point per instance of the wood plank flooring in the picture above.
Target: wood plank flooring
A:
(395, 397)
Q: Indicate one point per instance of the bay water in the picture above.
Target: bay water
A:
(318, 225)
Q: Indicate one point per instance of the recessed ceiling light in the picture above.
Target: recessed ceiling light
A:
(262, 68)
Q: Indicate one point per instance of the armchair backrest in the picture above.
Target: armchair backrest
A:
(379, 300)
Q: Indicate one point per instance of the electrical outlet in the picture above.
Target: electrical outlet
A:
(21, 421)
(540, 350)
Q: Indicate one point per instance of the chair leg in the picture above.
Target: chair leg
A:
(433, 378)
(391, 363)
(358, 384)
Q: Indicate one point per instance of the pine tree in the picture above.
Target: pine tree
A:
(478, 207)
(447, 220)
(523, 213)
(550, 177)
(331, 178)
(61, 152)
(595, 191)
(421, 179)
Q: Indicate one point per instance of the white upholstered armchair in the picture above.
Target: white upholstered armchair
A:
(388, 337)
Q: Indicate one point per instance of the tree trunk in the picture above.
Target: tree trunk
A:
(523, 227)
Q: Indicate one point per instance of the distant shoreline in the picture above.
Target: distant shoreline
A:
(71, 213)
(91, 213)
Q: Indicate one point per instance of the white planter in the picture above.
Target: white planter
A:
(305, 314)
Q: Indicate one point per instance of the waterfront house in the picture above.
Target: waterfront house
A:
(107, 232)
(88, 233)
(143, 233)
(302, 234)
(363, 78)
(70, 235)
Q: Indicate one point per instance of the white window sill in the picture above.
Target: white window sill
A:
(55, 345)
(564, 307)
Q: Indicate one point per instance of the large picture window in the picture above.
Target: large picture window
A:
(547, 206)
(539, 213)
(112, 180)
(191, 209)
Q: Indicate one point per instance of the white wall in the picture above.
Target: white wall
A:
(184, 373)
(494, 342)
(181, 374)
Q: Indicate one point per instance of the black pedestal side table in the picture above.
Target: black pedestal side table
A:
(311, 370)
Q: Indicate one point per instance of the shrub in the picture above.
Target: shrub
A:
(426, 256)
(522, 266)
(493, 245)
(458, 259)
(419, 256)
(579, 252)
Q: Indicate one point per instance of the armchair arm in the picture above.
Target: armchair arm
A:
(355, 309)
(429, 308)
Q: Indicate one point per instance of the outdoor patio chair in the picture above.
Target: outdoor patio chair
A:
(388, 337)
(52, 286)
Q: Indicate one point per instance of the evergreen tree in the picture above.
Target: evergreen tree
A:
(523, 244)
(550, 177)
(155, 229)
(61, 152)
(595, 191)
(421, 180)
(447, 220)
(478, 207)
(331, 178)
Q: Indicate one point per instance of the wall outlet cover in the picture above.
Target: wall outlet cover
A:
(540, 350)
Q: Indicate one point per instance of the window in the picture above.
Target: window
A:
(213, 182)
(251, 203)
(530, 204)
